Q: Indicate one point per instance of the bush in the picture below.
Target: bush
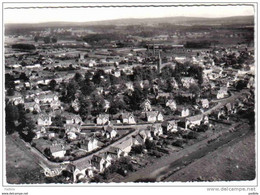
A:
(202, 128)
(156, 154)
(149, 144)
(178, 143)
(137, 149)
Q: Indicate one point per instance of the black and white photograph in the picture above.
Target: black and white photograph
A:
(129, 93)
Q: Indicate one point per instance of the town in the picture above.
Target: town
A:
(103, 103)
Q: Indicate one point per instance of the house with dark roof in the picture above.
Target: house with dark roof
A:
(155, 129)
(90, 144)
(82, 170)
(145, 134)
(113, 153)
(125, 147)
(98, 162)
(138, 140)
(109, 131)
(169, 126)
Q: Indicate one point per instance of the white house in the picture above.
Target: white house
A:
(89, 145)
(153, 116)
(204, 103)
(125, 147)
(71, 136)
(146, 105)
(110, 132)
(57, 151)
(32, 106)
(145, 134)
(128, 118)
(170, 126)
(44, 120)
(193, 121)
(102, 119)
(72, 119)
(156, 129)
(98, 162)
(222, 92)
(187, 81)
(171, 104)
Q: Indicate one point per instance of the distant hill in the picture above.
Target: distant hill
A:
(189, 21)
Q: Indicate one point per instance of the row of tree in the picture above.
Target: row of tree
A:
(47, 39)
(16, 120)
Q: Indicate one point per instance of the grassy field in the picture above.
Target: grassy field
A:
(232, 162)
(20, 168)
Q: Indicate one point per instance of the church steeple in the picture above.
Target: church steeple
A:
(159, 63)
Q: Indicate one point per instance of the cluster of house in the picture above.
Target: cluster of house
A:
(238, 104)
(85, 168)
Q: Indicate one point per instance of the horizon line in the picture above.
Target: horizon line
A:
(140, 18)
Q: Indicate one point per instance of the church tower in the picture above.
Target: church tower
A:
(159, 63)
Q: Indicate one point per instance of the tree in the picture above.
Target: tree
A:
(116, 106)
(98, 103)
(52, 84)
(10, 92)
(54, 39)
(24, 77)
(196, 72)
(47, 40)
(167, 72)
(78, 77)
(169, 85)
(58, 121)
(87, 87)
(36, 38)
(241, 84)
(194, 89)
(136, 98)
(85, 107)
(149, 144)
(11, 116)
(137, 149)
(68, 94)
(27, 132)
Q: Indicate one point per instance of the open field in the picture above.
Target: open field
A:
(234, 161)
(17, 169)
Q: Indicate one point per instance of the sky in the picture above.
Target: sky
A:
(97, 14)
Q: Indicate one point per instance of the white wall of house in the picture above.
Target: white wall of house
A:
(160, 117)
(59, 154)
